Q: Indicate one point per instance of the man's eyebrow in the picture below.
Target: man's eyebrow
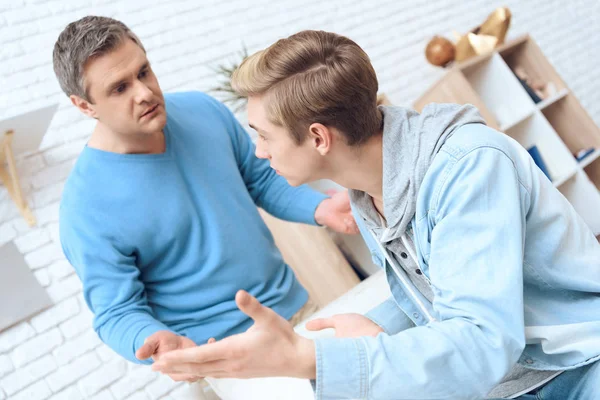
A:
(256, 128)
(146, 65)
(117, 83)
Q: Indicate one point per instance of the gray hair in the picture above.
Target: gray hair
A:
(81, 41)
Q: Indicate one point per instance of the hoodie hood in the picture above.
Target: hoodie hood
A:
(411, 140)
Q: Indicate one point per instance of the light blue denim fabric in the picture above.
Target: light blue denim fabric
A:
(582, 383)
(515, 273)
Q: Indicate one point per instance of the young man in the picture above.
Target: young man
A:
(159, 216)
(495, 278)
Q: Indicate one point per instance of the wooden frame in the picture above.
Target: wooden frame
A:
(10, 177)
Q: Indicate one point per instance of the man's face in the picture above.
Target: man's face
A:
(298, 164)
(123, 91)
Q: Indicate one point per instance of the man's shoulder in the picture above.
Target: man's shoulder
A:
(472, 137)
(192, 102)
(190, 95)
(198, 115)
(475, 153)
(80, 192)
(94, 184)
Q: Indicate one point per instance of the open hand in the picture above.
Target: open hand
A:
(269, 348)
(335, 213)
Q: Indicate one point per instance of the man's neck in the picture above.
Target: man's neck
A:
(105, 139)
(362, 170)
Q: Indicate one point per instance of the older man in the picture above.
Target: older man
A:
(159, 214)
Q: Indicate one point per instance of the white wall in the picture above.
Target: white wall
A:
(56, 353)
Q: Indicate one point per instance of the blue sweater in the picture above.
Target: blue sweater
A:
(164, 241)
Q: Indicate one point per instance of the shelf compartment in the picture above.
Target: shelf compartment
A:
(552, 99)
(527, 56)
(494, 83)
(536, 131)
(590, 158)
(592, 169)
(573, 124)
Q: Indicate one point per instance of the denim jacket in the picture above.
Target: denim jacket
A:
(512, 275)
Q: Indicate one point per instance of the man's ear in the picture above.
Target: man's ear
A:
(321, 138)
(84, 106)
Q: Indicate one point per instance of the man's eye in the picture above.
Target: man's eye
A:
(142, 74)
(121, 88)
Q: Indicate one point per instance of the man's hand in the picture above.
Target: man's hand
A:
(160, 343)
(269, 348)
(346, 325)
(335, 213)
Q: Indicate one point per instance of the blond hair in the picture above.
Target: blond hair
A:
(314, 77)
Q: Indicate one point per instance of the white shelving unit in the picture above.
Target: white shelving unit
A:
(558, 126)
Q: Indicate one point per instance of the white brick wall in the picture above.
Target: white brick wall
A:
(74, 371)
(24, 376)
(5, 365)
(36, 347)
(71, 393)
(76, 347)
(55, 315)
(14, 336)
(56, 354)
(102, 377)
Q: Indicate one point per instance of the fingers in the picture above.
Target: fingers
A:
(351, 227)
(320, 324)
(209, 368)
(200, 354)
(148, 348)
(185, 378)
(250, 306)
(190, 378)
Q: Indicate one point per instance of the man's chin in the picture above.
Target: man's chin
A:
(294, 182)
(156, 124)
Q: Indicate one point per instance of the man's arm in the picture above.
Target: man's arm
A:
(389, 317)
(111, 285)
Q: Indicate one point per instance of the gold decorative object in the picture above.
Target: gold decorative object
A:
(485, 37)
(482, 39)
(440, 51)
(472, 44)
(496, 24)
